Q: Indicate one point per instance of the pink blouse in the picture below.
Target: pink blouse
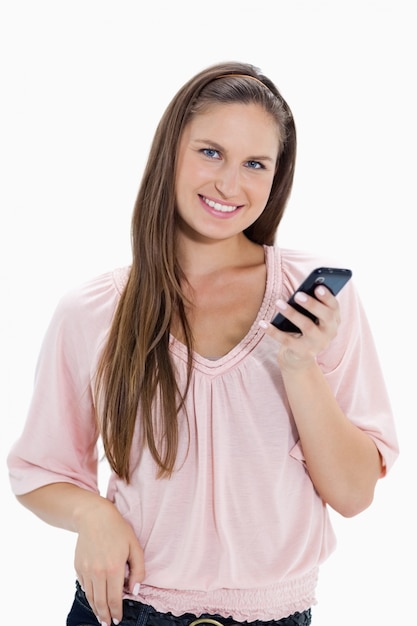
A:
(239, 529)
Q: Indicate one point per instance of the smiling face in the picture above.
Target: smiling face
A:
(226, 164)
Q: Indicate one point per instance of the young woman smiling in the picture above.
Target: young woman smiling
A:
(227, 438)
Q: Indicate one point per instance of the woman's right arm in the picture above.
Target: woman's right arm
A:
(53, 465)
(106, 543)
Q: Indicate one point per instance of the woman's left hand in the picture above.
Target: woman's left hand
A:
(298, 350)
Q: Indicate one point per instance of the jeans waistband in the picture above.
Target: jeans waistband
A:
(146, 615)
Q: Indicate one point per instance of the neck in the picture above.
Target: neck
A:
(197, 257)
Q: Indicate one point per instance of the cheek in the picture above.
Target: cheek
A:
(189, 174)
(200, 171)
(263, 191)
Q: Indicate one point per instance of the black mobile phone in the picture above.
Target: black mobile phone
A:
(334, 278)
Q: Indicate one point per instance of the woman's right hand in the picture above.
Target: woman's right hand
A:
(108, 558)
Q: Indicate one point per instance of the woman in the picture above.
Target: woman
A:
(227, 438)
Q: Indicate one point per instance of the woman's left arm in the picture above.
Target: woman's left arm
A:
(342, 460)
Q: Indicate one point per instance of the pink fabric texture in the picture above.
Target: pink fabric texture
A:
(239, 529)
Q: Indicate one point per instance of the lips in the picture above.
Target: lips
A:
(223, 208)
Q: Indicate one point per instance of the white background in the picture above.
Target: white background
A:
(83, 86)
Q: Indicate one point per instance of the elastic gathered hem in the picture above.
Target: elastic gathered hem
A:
(267, 603)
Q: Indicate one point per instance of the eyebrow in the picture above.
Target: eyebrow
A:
(217, 146)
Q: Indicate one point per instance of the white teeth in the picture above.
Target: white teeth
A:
(224, 208)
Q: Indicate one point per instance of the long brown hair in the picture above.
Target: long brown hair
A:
(135, 368)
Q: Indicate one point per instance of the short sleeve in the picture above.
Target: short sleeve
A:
(352, 368)
(59, 439)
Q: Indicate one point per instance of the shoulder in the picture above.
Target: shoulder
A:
(93, 302)
(295, 265)
(106, 286)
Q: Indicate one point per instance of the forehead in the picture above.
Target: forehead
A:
(234, 121)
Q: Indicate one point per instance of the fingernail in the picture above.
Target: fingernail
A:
(300, 296)
(103, 623)
(321, 290)
(115, 621)
(136, 589)
(263, 324)
(281, 304)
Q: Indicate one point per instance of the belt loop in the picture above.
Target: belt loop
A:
(143, 615)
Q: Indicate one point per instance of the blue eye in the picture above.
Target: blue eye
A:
(210, 152)
(256, 165)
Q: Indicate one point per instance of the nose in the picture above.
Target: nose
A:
(228, 181)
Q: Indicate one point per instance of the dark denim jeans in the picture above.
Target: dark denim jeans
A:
(138, 614)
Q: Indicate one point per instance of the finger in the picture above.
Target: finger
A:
(325, 296)
(330, 315)
(115, 596)
(136, 569)
(100, 602)
(88, 591)
(325, 309)
(300, 319)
